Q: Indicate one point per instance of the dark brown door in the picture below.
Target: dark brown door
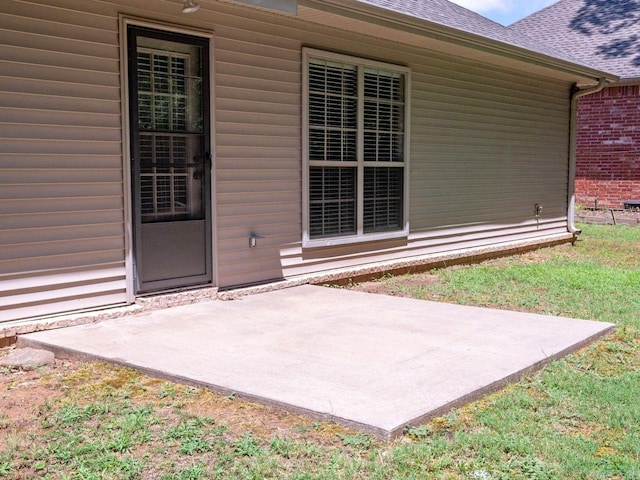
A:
(171, 163)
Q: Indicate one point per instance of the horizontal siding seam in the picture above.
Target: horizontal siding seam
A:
(63, 127)
(45, 37)
(63, 227)
(65, 9)
(69, 112)
(63, 58)
(63, 83)
(64, 255)
(115, 73)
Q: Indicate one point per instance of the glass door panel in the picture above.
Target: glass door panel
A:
(169, 98)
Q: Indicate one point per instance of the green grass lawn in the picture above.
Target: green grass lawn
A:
(579, 418)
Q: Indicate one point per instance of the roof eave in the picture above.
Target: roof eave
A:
(436, 31)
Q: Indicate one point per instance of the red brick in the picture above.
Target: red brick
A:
(608, 144)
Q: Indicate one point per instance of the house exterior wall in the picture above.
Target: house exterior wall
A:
(62, 239)
(486, 145)
(608, 139)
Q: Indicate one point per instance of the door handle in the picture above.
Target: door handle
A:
(201, 168)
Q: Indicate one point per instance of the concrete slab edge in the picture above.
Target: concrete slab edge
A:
(380, 433)
(502, 383)
(72, 354)
(397, 266)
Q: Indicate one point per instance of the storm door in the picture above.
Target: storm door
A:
(171, 163)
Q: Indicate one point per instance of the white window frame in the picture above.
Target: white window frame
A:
(360, 236)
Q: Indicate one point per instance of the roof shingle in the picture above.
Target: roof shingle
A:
(602, 33)
(448, 14)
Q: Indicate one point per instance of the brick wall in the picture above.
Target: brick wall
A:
(608, 156)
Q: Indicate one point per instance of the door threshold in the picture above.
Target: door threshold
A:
(176, 297)
(171, 291)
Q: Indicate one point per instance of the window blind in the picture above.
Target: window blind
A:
(356, 144)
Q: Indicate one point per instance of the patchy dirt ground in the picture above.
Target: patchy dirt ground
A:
(396, 286)
(19, 389)
(24, 393)
(73, 420)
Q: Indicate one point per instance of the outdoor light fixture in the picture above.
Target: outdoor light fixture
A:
(190, 6)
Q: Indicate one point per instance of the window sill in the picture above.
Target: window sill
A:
(370, 237)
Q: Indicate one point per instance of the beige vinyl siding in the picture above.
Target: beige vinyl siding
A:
(258, 149)
(486, 146)
(61, 182)
(493, 145)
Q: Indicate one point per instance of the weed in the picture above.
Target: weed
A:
(44, 407)
(188, 427)
(247, 445)
(71, 413)
(193, 472)
(167, 390)
(5, 421)
(192, 445)
(419, 431)
(121, 443)
(360, 440)
(281, 446)
(300, 428)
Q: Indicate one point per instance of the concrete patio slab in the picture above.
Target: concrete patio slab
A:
(373, 362)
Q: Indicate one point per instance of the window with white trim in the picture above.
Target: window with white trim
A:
(356, 118)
